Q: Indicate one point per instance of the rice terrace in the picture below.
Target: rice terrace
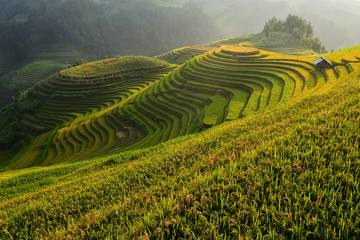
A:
(241, 138)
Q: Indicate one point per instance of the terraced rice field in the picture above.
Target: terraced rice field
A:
(291, 173)
(278, 42)
(181, 55)
(36, 71)
(136, 102)
(59, 55)
(224, 84)
(288, 170)
(230, 41)
(71, 123)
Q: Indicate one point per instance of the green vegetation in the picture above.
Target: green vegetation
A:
(215, 112)
(286, 173)
(62, 118)
(128, 103)
(298, 27)
(26, 77)
(38, 31)
(221, 141)
(181, 55)
(111, 66)
(30, 75)
(335, 22)
(278, 42)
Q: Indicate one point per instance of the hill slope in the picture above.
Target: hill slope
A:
(46, 115)
(135, 102)
(335, 22)
(277, 42)
(286, 173)
(38, 31)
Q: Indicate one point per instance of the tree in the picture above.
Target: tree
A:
(78, 62)
(309, 30)
(296, 26)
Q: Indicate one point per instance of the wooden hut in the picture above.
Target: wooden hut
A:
(322, 63)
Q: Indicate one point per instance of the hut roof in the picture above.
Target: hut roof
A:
(321, 59)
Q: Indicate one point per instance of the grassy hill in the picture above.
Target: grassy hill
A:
(181, 55)
(289, 172)
(335, 22)
(131, 103)
(235, 142)
(64, 114)
(278, 42)
(35, 31)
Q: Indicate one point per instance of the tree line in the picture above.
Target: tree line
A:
(298, 27)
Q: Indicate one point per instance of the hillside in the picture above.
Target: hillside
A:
(129, 103)
(277, 42)
(45, 115)
(233, 139)
(37, 31)
(334, 21)
(34, 32)
(242, 138)
(290, 172)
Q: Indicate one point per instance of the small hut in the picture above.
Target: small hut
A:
(322, 63)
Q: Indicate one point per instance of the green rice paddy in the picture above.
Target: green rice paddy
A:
(231, 142)
(131, 103)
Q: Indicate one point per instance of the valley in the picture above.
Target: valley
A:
(243, 137)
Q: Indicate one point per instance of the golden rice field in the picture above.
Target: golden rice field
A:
(235, 143)
(129, 103)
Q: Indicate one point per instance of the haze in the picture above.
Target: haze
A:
(44, 36)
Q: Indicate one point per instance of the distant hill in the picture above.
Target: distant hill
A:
(63, 31)
(243, 17)
(335, 22)
(34, 31)
(278, 42)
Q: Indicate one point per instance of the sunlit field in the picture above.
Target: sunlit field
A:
(229, 140)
